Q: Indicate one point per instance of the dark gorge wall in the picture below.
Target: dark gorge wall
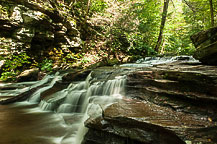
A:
(206, 46)
(36, 29)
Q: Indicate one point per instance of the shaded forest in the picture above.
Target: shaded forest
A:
(108, 71)
(63, 34)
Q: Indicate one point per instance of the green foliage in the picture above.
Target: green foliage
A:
(136, 28)
(128, 27)
(85, 60)
(179, 27)
(198, 15)
(138, 45)
(46, 65)
(98, 6)
(12, 65)
(3, 12)
(8, 76)
(16, 61)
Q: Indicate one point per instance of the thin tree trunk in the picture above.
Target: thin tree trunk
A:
(163, 21)
(87, 10)
(211, 13)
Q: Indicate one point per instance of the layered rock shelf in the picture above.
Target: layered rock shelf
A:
(206, 45)
(170, 103)
(166, 104)
(36, 29)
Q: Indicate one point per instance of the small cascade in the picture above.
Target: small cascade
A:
(152, 61)
(115, 87)
(75, 101)
(14, 89)
(70, 104)
(35, 98)
(76, 98)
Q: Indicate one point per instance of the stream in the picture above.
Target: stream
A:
(56, 111)
(58, 117)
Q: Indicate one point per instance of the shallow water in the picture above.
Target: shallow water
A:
(25, 123)
(57, 117)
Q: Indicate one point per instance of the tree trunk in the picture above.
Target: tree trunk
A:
(87, 10)
(211, 13)
(163, 21)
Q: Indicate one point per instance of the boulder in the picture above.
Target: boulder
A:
(28, 75)
(206, 45)
(76, 75)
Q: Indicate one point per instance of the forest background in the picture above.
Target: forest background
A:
(115, 31)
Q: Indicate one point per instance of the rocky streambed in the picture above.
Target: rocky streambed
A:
(149, 103)
(164, 104)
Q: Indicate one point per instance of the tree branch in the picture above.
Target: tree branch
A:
(190, 6)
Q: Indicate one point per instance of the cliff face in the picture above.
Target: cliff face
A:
(36, 29)
(206, 44)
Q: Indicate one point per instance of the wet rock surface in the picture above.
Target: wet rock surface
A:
(206, 44)
(164, 104)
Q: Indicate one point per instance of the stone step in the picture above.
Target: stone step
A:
(2, 98)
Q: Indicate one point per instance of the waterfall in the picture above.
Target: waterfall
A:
(78, 97)
(152, 61)
(36, 96)
(72, 103)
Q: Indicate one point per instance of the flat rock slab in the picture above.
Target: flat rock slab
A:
(165, 104)
(150, 123)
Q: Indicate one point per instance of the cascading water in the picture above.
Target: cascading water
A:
(74, 100)
(151, 61)
(36, 96)
(67, 106)
(71, 105)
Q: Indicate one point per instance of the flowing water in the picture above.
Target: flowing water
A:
(152, 61)
(58, 117)
(54, 115)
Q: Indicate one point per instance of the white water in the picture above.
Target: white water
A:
(72, 105)
(151, 61)
(16, 88)
(36, 96)
(76, 98)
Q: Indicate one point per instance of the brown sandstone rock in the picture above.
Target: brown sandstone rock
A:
(206, 44)
(28, 75)
(166, 104)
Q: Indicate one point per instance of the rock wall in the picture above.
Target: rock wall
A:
(37, 30)
(206, 44)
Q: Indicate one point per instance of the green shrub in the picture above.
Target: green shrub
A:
(47, 65)
(13, 64)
